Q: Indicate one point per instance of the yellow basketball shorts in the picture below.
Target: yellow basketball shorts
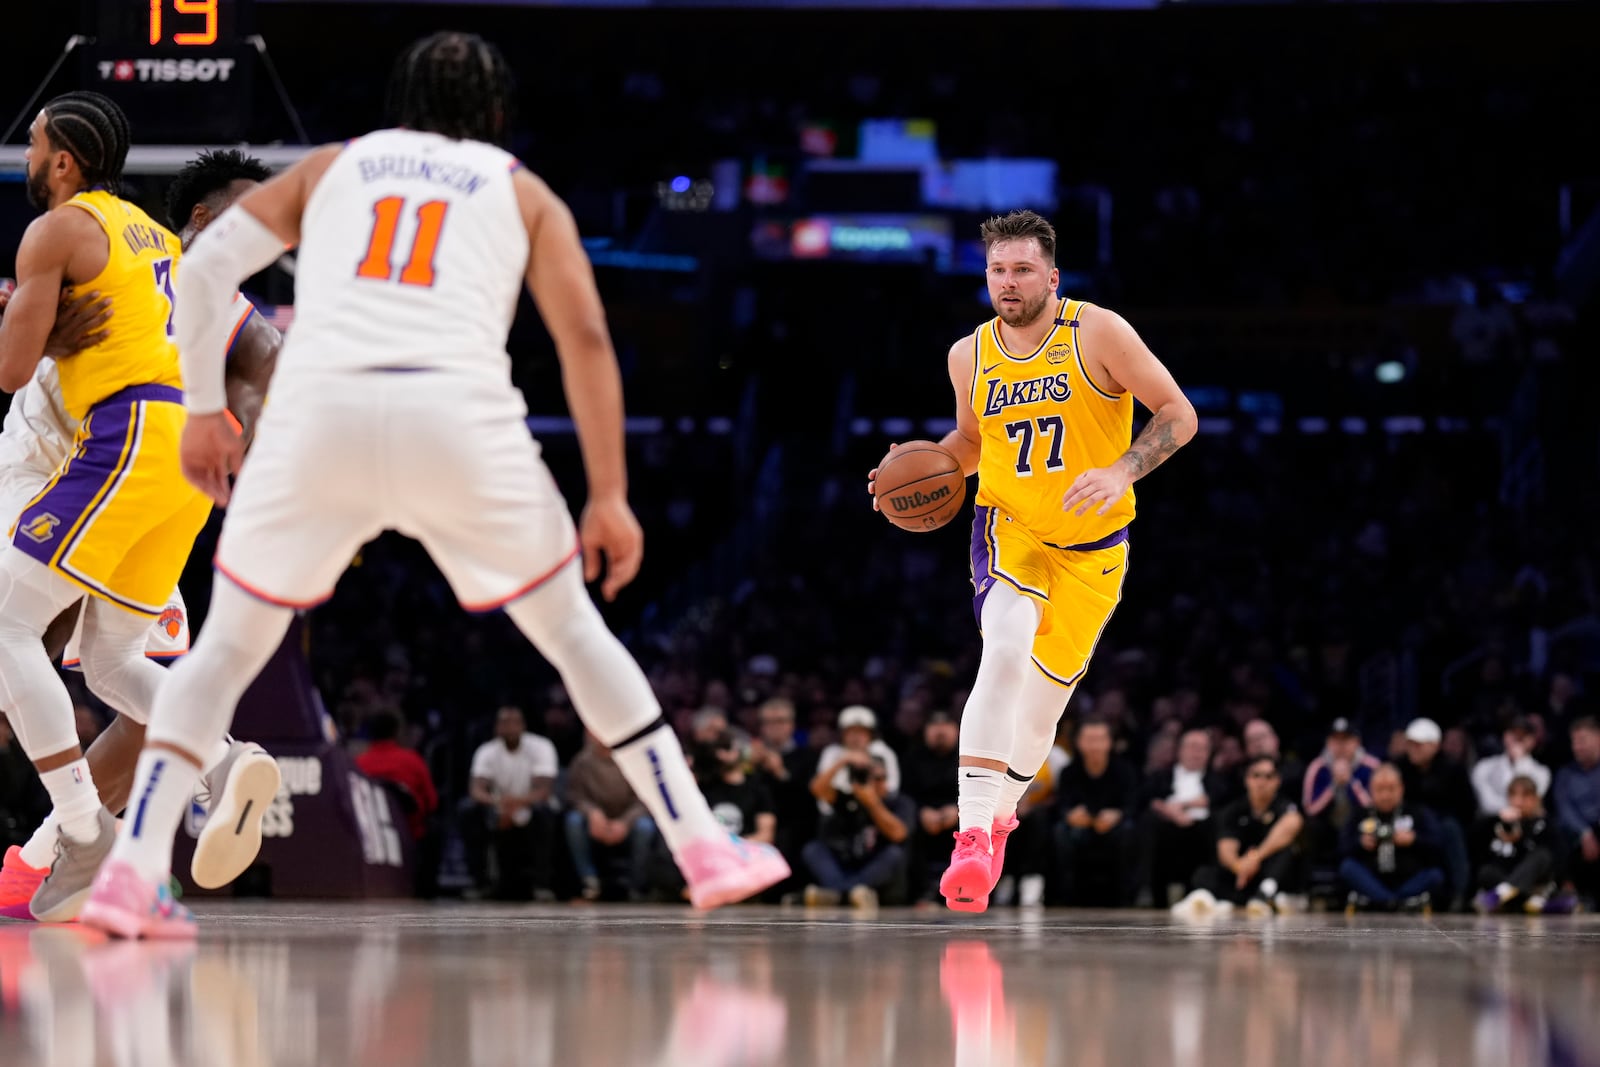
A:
(1077, 586)
(117, 518)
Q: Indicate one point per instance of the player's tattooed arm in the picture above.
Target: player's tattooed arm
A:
(1158, 440)
(1118, 361)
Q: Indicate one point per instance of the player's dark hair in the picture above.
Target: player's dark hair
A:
(1585, 722)
(455, 84)
(206, 175)
(1020, 225)
(95, 131)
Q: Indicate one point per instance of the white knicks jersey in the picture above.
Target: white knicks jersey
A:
(38, 432)
(412, 255)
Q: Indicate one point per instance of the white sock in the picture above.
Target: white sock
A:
(977, 797)
(74, 799)
(161, 789)
(661, 779)
(1012, 787)
(40, 852)
(1505, 891)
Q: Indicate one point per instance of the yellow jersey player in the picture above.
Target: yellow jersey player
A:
(116, 520)
(1044, 416)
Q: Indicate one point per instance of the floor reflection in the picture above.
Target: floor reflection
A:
(285, 987)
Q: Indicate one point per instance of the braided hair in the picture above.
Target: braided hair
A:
(455, 84)
(93, 129)
(206, 175)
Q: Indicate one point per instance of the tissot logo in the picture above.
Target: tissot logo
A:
(166, 70)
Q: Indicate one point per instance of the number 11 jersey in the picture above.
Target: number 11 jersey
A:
(413, 252)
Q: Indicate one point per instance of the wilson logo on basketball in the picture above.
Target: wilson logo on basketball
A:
(918, 499)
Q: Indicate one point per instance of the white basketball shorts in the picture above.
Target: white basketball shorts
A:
(440, 457)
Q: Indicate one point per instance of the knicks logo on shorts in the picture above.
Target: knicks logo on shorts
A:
(42, 528)
(1058, 353)
(171, 621)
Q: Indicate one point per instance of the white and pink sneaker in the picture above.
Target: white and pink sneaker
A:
(125, 905)
(721, 870)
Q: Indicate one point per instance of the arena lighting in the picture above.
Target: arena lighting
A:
(1391, 371)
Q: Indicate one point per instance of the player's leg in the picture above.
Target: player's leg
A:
(988, 734)
(271, 561)
(1038, 715)
(519, 552)
(31, 596)
(195, 705)
(612, 696)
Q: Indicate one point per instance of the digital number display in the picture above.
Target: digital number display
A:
(173, 26)
(207, 9)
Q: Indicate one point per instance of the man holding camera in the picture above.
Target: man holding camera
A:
(860, 851)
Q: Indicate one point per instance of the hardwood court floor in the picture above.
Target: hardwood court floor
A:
(397, 985)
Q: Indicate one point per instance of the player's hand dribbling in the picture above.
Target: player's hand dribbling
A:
(1098, 485)
(210, 454)
(872, 481)
(608, 528)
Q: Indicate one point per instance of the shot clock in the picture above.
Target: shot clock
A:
(181, 69)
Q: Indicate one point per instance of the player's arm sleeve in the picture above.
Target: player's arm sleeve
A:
(230, 250)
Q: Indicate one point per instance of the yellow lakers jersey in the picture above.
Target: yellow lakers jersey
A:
(138, 278)
(1043, 422)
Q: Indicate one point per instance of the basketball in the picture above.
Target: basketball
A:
(920, 486)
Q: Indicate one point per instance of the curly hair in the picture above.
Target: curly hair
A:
(206, 175)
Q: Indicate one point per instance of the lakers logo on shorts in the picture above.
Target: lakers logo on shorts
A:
(42, 528)
(1058, 353)
(172, 621)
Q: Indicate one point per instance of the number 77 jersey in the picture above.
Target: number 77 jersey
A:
(1043, 421)
(412, 256)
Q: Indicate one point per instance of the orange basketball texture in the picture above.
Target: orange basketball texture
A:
(920, 486)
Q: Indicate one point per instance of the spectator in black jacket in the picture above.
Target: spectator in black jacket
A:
(1095, 802)
(1441, 785)
(1256, 863)
(1524, 850)
(1391, 850)
(1176, 834)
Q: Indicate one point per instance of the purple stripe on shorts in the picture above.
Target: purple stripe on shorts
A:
(43, 527)
(982, 582)
(1108, 541)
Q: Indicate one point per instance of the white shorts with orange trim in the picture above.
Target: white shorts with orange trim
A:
(443, 458)
(169, 634)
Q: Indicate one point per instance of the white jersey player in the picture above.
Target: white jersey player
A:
(393, 408)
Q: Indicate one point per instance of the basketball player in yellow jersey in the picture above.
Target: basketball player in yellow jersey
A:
(117, 519)
(1044, 416)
